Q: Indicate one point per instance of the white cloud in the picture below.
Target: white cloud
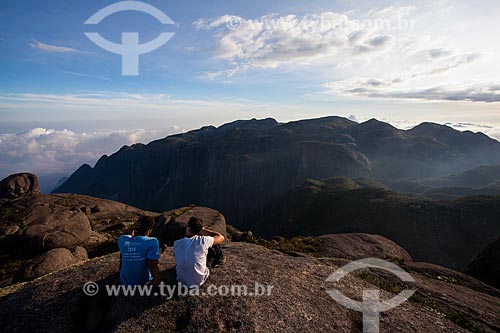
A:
(272, 41)
(50, 152)
(394, 88)
(417, 82)
(439, 53)
(397, 52)
(113, 100)
(88, 75)
(52, 48)
(341, 43)
(391, 12)
(353, 118)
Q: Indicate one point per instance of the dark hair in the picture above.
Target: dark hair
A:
(145, 223)
(195, 224)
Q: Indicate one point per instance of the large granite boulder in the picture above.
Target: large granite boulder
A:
(358, 246)
(19, 185)
(63, 228)
(171, 225)
(49, 262)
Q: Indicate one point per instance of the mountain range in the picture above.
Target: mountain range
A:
(243, 167)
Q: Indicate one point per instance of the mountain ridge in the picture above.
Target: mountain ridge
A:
(241, 167)
(453, 232)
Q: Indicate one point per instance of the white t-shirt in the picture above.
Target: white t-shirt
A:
(191, 259)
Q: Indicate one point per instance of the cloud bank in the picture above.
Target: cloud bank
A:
(471, 92)
(53, 154)
(387, 53)
(272, 41)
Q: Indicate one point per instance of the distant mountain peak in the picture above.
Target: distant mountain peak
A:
(253, 123)
(427, 127)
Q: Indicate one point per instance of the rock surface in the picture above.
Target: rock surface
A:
(31, 225)
(358, 246)
(486, 266)
(298, 300)
(171, 225)
(47, 230)
(49, 262)
(19, 185)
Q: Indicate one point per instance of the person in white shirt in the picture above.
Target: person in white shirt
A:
(197, 253)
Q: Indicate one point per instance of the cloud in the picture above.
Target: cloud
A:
(52, 48)
(272, 41)
(439, 53)
(380, 53)
(491, 131)
(88, 75)
(106, 99)
(391, 12)
(409, 85)
(336, 40)
(353, 118)
(51, 152)
(472, 92)
(449, 61)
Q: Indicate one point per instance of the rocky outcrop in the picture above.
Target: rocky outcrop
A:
(447, 233)
(49, 262)
(486, 266)
(31, 225)
(19, 185)
(49, 230)
(357, 246)
(298, 301)
(171, 225)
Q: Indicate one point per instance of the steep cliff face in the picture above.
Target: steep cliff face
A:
(237, 169)
(241, 167)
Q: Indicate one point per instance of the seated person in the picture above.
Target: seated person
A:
(195, 253)
(139, 254)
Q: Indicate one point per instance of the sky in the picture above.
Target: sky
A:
(64, 100)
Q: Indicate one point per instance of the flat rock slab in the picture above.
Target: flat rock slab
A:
(298, 300)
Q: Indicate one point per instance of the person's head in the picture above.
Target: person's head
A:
(144, 226)
(194, 226)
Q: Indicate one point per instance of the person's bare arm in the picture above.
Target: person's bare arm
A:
(155, 271)
(218, 238)
(131, 230)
